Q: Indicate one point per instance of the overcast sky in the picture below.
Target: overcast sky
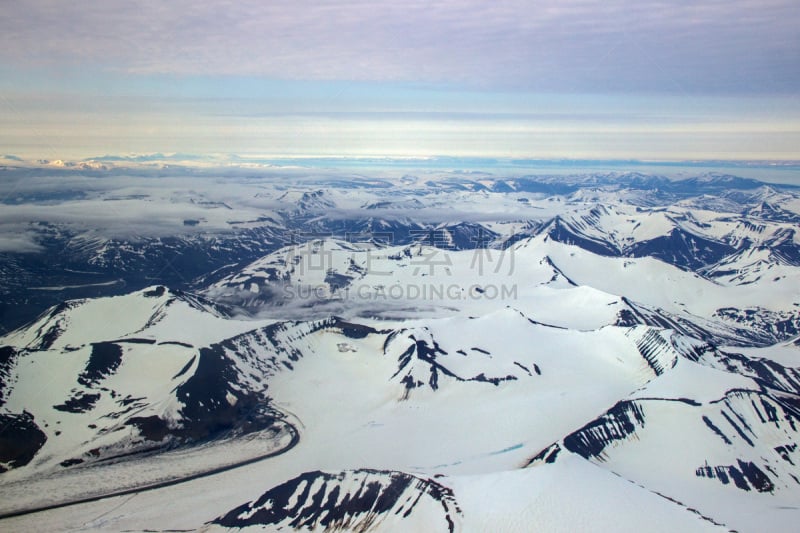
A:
(645, 79)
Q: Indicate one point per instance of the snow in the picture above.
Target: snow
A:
(656, 283)
(786, 354)
(107, 478)
(569, 371)
(694, 381)
(451, 387)
(571, 495)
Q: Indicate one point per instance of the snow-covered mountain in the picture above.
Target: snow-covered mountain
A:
(109, 238)
(588, 361)
(104, 378)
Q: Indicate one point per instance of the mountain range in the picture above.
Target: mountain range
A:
(612, 351)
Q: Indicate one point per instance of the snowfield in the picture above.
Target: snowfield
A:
(629, 362)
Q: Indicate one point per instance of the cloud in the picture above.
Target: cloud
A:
(146, 206)
(121, 207)
(19, 243)
(616, 45)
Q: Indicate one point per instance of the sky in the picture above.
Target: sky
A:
(644, 79)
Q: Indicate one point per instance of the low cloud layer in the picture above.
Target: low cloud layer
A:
(24, 243)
